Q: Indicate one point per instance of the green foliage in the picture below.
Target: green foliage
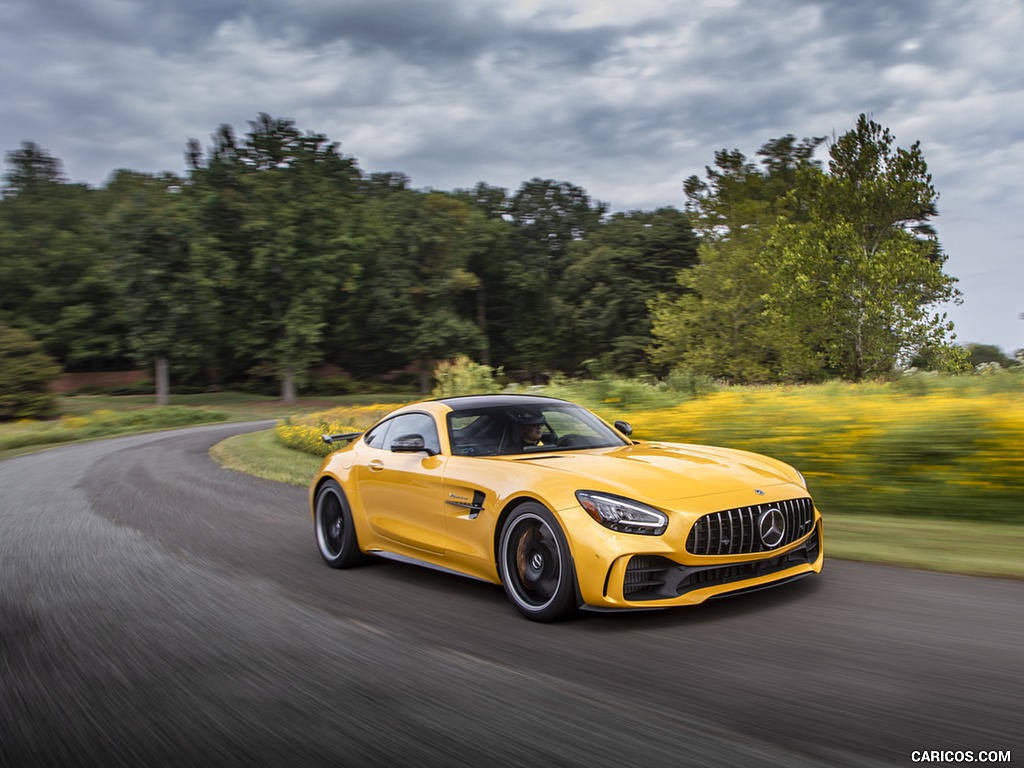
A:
(56, 278)
(602, 305)
(415, 269)
(276, 209)
(548, 218)
(463, 376)
(715, 323)
(804, 273)
(165, 280)
(980, 354)
(25, 372)
(856, 282)
(608, 393)
(277, 253)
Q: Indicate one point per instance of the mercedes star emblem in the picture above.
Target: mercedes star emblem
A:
(772, 527)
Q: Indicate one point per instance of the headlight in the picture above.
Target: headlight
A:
(803, 480)
(623, 515)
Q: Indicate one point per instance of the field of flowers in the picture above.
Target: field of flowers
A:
(303, 433)
(942, 450)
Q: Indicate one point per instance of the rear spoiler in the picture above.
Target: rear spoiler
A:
(343, 436)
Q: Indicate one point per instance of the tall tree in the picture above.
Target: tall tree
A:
(860, 278)
(601, 302)
(548, 217)
(415, 256)
(715, 323)
(286, 200)
(492, 250)
(168, 288)
(55, 279)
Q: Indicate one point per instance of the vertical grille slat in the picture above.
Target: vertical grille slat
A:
(736, 531)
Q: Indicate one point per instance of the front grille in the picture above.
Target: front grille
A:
(736, 531)
(652, 577)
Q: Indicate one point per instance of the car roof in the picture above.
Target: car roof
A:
(472, 402)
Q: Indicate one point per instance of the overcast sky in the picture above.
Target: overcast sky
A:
(623, 98)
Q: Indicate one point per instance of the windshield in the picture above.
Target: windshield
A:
(530, 428)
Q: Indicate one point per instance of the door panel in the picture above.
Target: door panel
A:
(402, 493)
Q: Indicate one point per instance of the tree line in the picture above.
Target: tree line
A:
(275, 253)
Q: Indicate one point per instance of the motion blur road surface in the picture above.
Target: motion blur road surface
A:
(156, 609)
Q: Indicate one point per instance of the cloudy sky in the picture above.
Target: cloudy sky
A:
(625, 99)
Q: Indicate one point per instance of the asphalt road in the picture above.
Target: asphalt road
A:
(156, 609)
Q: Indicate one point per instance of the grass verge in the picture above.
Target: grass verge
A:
(92, 417)
(948, 546)
(261, 454)
(28, 436)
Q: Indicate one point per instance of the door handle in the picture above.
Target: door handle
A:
(376, 465)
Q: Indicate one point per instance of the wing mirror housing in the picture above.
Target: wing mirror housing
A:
(410, 444)
(624, 427)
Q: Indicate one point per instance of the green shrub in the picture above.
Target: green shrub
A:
(25, 372)
(462, 376)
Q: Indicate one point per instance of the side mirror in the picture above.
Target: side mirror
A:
(624, 427)
(410, 444)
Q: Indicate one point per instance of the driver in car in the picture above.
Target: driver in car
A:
(527, 428)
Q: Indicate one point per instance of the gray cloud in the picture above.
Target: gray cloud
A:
(625, 100)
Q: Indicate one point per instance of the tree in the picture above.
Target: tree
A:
(25, 372)
(548, 217)
(414, 267)
(857, 280)
(32, 167)
(167, 286)
(601, 304)
(979, 354)
(279, 209)
(493, 250)
(55, 276)
(715, 322)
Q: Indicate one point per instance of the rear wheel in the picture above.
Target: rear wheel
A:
(535, 566)
(335, 534)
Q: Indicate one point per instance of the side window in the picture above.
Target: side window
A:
(375, 437)
(414, 424)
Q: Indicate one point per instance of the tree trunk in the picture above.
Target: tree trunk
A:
(163, 381)
(426, 377)
(288, 393)
(481, 323)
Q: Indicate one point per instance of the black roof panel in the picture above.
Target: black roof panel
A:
(470, 402)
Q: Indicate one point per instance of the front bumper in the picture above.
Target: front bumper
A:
(659, 580)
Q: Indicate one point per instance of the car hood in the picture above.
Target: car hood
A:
(667, 471)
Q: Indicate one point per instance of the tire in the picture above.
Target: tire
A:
(535, 566)
(335, 533)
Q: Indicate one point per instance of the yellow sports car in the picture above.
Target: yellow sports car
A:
(561, 509)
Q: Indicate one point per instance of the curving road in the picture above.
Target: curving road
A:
(156, 609)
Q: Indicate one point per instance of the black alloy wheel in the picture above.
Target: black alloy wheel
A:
(535, 566)
(335, 533)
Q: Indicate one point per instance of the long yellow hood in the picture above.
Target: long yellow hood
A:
(667, 471)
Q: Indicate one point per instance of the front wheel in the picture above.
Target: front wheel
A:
(335, 533)
(535, 565)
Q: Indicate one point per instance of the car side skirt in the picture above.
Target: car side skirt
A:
(394, 556)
